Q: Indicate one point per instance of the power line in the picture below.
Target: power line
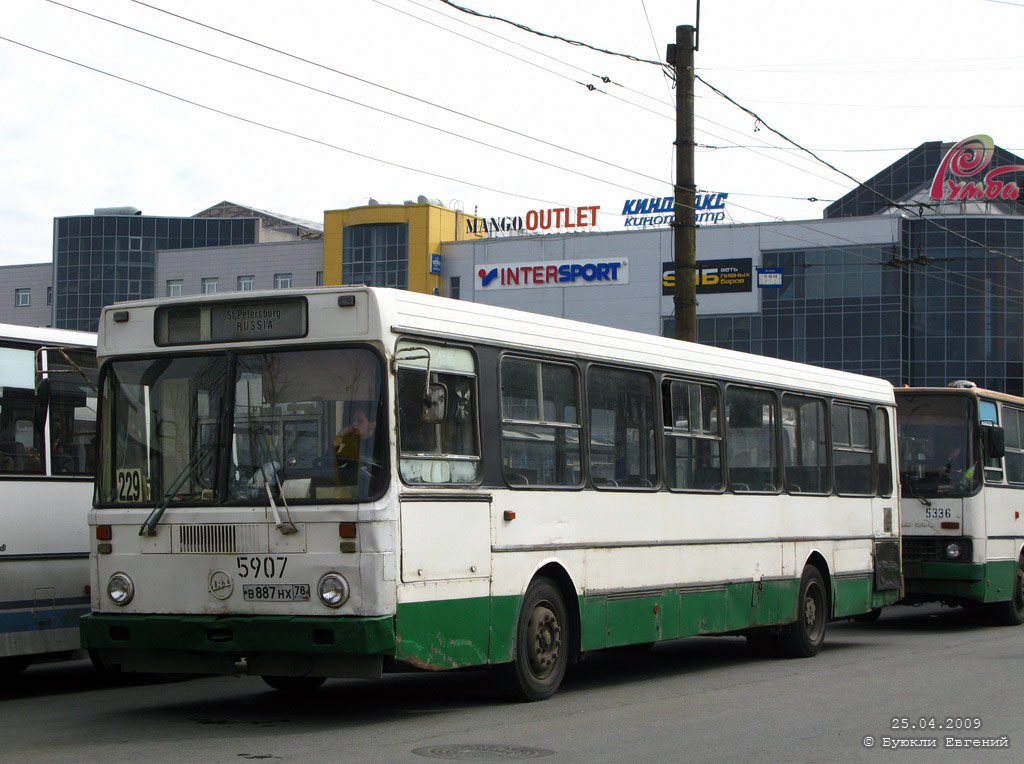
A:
(860, 184)
(475, 41)
(525, 28)
(392, 90)
(280, 130)
(352, 101)
(479, 30)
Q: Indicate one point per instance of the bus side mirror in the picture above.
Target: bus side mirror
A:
(994, 439)
(435, 403)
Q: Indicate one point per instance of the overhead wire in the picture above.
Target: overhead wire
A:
(394, 91)
(337, 96)
(273, 128)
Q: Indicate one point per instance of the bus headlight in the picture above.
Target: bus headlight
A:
(953, 550)
(120, 589)
(333, 590)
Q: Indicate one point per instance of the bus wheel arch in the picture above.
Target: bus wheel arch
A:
(546, 637)
(804, 637)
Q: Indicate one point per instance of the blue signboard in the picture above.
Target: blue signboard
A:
(769, 277)
(435, 264)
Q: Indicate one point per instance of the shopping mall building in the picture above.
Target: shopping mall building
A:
(916, 276)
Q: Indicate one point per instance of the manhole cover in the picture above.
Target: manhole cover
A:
(478, 752)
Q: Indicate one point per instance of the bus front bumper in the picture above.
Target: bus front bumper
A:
(268, 645)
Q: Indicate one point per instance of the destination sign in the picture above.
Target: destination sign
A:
(273, 319)
(265, 320)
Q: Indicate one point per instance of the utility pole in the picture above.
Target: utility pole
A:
(684, 239)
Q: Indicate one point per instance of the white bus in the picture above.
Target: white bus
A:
(337, 482)
(47, 455)
(962, 471)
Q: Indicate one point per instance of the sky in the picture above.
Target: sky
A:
(340, 101)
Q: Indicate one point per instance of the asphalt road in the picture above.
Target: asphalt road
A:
(693, 700)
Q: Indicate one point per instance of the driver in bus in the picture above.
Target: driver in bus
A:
(354, 444)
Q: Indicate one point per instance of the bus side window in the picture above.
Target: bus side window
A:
(988, 412)
(1014, 445)
(883, 452)
(437, 452)
(72, 413)
(540, 431)
(622, 429)
(851, 450)
(20, 443)
(693, 438)
(750, 440)
(805, 444)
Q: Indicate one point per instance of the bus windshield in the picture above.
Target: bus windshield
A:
(937, 454)
(295, 425)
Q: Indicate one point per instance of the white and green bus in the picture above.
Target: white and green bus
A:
(47, 456)
(338, 482)
(962, 471)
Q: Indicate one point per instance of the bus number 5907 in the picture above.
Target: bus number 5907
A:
(256, 567)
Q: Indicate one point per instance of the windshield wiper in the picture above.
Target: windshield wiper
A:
(905, 479)
(148, 527)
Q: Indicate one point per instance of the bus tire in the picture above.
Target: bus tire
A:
(1011, 612)
(804, 637)
(542, 644)
(295, 685)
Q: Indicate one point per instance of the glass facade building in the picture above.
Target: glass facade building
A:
(944, 302)
(100, 259)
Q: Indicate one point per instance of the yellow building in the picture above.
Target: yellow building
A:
(395, 245)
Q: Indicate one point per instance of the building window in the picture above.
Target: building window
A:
(246, 283)
(209, 286)
(376, 255)
(455, 287)
(319, 278)
(282, 280)
(22, 298)
(49, 295)
(174, 288)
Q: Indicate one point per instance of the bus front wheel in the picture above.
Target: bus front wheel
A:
(542, 644)
(1011, 612)
(804, 637)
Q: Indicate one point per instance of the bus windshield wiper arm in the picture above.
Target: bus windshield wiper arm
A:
(148, 527)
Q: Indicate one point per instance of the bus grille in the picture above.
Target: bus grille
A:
(922, 549)
(220, 539)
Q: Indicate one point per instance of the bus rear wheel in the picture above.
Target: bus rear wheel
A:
(1011, 612)
(542, 644)
(804, 637)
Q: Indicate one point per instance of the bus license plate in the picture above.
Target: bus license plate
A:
(275, 592)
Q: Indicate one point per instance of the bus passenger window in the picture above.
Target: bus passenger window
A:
(447, 451)
(21, 444)
(622, 434)
(72, 414)
(1013, 419)
(805, 445)
(851, 450)
(693, 439)
(540, 434)
(750, 440)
